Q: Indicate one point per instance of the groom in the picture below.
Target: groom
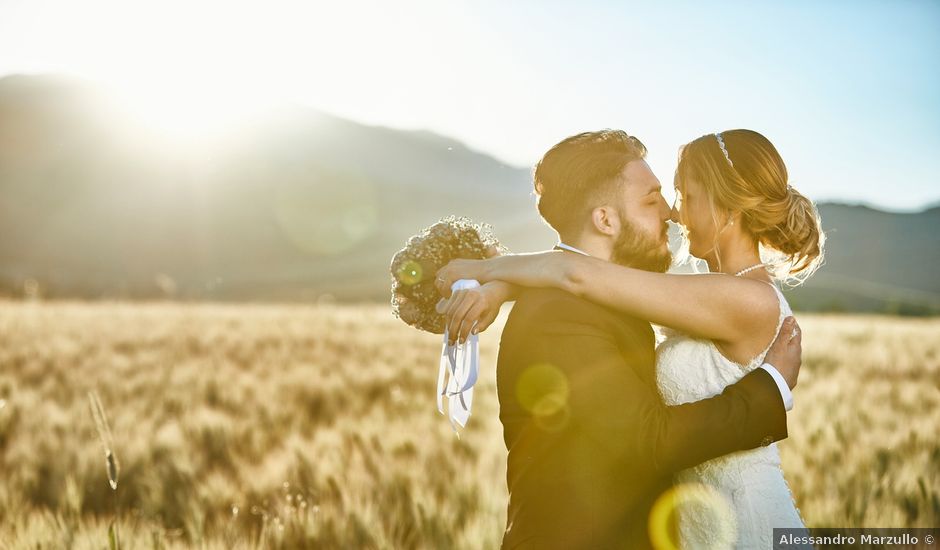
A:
(591, 444)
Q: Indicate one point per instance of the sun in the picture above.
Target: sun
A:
(189, 109)
(194, 71)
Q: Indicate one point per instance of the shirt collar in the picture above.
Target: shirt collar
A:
(571, 248)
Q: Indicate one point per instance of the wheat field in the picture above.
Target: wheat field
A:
(272, 426)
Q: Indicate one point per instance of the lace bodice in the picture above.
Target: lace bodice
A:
(681, 382)
(750, 482)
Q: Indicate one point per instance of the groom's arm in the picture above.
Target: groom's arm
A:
(611, 404)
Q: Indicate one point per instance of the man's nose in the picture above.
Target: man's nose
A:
(665, 212)
(674, 214)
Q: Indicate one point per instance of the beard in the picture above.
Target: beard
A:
(637, 249)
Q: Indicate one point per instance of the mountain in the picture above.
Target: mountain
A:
(875, 262)
(301, 205)
(298, 205)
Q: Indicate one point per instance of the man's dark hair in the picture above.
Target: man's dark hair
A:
(579, 174)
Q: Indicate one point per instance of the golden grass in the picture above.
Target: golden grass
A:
(262, 426)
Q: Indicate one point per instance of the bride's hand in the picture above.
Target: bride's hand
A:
(456, 270)
(473, 310)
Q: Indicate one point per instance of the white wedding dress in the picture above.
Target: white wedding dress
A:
(745, 494)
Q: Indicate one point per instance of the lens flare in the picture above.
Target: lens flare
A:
(551, 414)
(542, 389)
(326, 213)
(718, 524)
(410, 273)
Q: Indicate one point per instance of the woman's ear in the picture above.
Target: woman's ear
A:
(606, 220)
(731, 219)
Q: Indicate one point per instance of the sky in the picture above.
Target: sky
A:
(848, 91)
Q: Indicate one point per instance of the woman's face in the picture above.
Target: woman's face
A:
(693, 210)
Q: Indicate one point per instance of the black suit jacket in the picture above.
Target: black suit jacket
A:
(591, 443)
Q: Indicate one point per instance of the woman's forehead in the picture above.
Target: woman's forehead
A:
(685, 183)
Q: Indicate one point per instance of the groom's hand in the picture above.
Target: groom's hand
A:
(786, 352)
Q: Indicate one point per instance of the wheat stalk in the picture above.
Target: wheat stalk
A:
(111, 463)
(104, 433)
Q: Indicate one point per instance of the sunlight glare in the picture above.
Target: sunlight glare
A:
(187, 114)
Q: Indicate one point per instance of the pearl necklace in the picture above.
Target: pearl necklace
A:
(749, 269)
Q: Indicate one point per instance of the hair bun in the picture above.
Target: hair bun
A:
(798, 234)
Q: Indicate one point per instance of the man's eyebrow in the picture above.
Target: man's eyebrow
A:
(657, 189)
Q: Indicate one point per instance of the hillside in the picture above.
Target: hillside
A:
(301, 205)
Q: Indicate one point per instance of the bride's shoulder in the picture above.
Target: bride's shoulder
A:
(759, 289)
(762, 301)
(748, 292)
(750, 303)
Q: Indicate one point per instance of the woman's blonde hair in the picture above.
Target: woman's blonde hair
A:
(741, 171)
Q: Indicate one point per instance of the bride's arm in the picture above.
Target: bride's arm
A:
(714, 306)
(535, 269)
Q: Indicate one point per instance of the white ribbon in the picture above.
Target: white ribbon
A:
(460, 365)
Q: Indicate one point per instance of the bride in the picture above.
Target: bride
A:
(754, 230)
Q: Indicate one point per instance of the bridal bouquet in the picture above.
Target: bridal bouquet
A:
(415, 301)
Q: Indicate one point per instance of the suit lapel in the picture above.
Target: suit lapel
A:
(638, 345)
(637, 342)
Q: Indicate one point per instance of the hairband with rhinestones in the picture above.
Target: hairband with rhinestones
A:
(721, 143)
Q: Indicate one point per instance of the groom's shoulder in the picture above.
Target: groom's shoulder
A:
(535, 306)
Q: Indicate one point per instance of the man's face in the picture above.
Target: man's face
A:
(643, 241)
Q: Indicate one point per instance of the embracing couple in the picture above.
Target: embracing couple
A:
(613, 441)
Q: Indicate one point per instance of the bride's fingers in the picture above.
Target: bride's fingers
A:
(453, 303)
(440, 282)
(487, 320)
(457, 313)
(484, 323)
(454, 271)
(450, 303)
(469, 327)
(445, 278)
(475, 310)
(471, 321)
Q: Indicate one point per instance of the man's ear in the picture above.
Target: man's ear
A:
(605, 220)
